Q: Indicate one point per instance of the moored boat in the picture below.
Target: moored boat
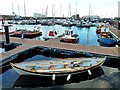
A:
(98, 29)
(63, 67)
(27, 33)
(51, 34)
(69, 37)
(106, 39)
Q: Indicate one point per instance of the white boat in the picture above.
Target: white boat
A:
(69, 37)
(51, 34)
(63, 67)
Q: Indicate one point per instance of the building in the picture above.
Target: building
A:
(91, 17)
(119, 9)
(37, 15)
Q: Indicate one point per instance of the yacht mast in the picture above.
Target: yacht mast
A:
(52, 10)
(18, 10)
(76, 7)
(24, 9)
(12, 9)
(61, 10)
(89, 11)
(46, 13)
(69, 11)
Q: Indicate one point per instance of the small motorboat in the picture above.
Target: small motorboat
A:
(51, 34)
(69, 37)
(106, 39)
(27, 33)
(53, 68)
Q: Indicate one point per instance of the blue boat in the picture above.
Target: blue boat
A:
(106, 39)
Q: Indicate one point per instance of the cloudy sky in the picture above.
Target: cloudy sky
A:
(103, 8)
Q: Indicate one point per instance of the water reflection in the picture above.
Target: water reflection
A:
(82, 32)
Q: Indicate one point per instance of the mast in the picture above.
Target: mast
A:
(18, 10)
(46, 13)
(89, 11)
(12, 9)
(24, 9)
(61, 9)
(76, 7)
(52, 10)
(69, 11)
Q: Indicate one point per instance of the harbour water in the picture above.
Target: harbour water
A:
(106, 76)
(87, 36)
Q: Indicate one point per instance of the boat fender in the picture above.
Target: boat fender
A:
(53, 77)
(98, 40)
(68, 77)
(89, 72)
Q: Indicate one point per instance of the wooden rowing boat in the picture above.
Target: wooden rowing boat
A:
(63, 67)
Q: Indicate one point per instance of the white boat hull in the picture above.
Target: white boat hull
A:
(58, 72)
(21, 72)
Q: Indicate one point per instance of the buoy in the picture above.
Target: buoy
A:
(53, 77)
(89, 72)
(68, 77)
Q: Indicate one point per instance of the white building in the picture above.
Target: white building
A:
(37, 15)
(119, 9)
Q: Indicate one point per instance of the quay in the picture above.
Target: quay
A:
(27, 44)
(54, 43)
(115, 31)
